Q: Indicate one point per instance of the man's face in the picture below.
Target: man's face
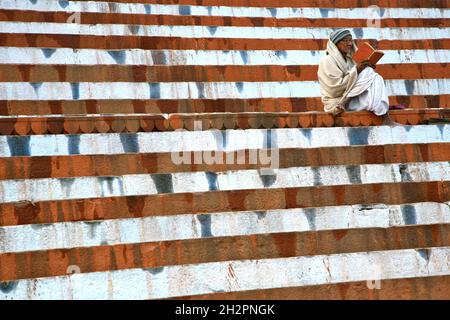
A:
(345, 45)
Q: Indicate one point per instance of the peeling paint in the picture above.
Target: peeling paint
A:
(358, 136)
(425, 254)
(317, 178)
(228, 11)
(409, 214)
(155, 90)
(270, 139)
(159, 57)
(130, 143)
(48, 52)
(109, 181)
(310, 214)
(261, 214)
(359, 33)
(107, 143)
(212, 30)
(8, 286)
(67, 56)
(205, 223)
(73, 143)
(201, 90)
(36, 86)
(75, 90)
(19, 146)
(163, 182)
(244, 56)
(134, 29)
(212, 181)
(268, 179)
(93, 227)
(224, 224)
(240, 86)
(307, 133)
(118, 56)
(273, 12)
(282, 54)
(184, 10)
(154, 271)
(354, 174)
(31, 232)
(66, 185)
(405, 175)
(63, 3)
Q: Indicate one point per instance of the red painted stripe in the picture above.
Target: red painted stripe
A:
(146, 163)
(302, 3)
(49, 263)
(145, 19)
(177, 43)
(229, 73)
(219, 201)
(77, 107)
(426, 288)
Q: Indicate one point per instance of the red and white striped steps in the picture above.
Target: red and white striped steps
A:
(116, 129)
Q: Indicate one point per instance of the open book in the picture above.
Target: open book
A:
(367, 52)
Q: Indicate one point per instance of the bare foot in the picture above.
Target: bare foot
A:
(387, 121)
(338, 110)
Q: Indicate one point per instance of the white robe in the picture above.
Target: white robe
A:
(368, 93)
(340, 84)
(336, 76)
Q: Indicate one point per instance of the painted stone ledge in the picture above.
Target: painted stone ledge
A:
(179, 43)
(27, 212)
(126, 106)
(205, 121)
(299, 3)
(144, 19)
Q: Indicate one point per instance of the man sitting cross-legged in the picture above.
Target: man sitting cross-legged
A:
(349, 86)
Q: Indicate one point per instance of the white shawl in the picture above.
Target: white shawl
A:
(337, 76)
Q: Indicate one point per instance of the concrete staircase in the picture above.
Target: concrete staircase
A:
(155, 149)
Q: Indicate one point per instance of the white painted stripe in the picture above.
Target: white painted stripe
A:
(215, 277)
(284, 12)
(197, 90)
(67, 56)
(221, 224)
(218, 32)
(226, 140)
(51, 189)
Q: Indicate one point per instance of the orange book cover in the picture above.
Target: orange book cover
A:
(367, 52)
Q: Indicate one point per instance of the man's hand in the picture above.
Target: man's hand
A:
(362, 65)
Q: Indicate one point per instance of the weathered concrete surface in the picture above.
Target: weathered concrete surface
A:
(96, 178)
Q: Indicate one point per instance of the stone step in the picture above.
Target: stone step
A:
(208, 59)
(179, 43)
(216, 140)
(52, 189)
(170, 281)
(284, 3)
(36, 73)
(196, 90)
(58, 124)
(126, 106)
(69, 235)
(271, 17)
(230, 32)
(421, 288)
(233, 9)
(168, 204)
(66, 166)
